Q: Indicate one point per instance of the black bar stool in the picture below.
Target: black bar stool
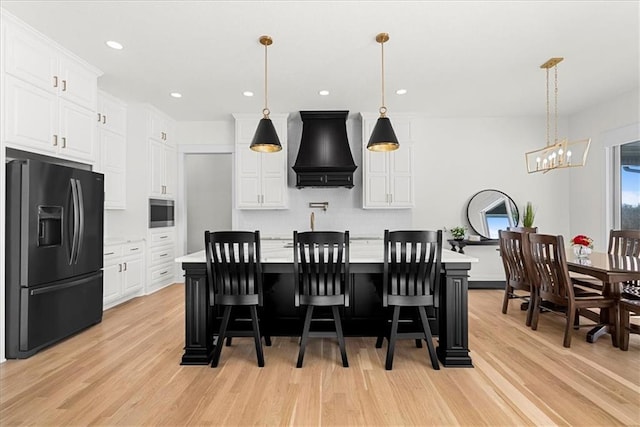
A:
(411, 279)
(321, 271)
(235, 274)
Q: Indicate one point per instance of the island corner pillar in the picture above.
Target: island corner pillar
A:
(453, 337)
(198, 333)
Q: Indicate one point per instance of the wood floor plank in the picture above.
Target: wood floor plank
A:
(126, 371)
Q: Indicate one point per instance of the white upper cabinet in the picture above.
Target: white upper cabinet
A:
(163, 157)
(112, 141)
(159, 163)
(50, 96)
(388, 176)
(260, 178)
(77, 83)
(30, 58)
(112, 114)
(161, 128)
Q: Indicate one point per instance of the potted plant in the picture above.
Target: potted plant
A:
(458, 232)
(529, 215)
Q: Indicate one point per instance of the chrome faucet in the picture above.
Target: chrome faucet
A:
(313, 221)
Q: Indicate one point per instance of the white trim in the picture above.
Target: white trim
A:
(621, 135)
(181, 202)
(611, 139)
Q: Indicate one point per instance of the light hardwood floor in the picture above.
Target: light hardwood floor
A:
(126, 371)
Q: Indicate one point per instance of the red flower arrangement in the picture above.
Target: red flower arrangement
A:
(582, 240)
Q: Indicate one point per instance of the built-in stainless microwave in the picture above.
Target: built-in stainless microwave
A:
(161, 213)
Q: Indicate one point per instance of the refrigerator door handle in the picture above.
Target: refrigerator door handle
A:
(80, 219)
(76, 220)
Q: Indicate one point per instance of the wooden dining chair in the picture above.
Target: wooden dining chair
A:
(516, 273)
(321, 276)
(547, 263)
(411, 278)
(234, 272)
(627, 243)
(621, 243)
(624, 242)
(627, 308)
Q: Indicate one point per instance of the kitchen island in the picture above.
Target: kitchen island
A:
(363, 317)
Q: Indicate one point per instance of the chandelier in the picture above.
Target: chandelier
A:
(561, 153)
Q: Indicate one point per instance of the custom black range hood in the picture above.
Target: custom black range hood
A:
(324, 157)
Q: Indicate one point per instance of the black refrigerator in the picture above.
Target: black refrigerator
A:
(54, 229)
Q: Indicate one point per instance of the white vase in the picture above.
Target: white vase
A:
(581, 251)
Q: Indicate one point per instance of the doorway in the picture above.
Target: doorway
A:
(208, 184)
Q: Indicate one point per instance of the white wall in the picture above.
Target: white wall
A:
(215, 132)
(587, 193)
(457, 157)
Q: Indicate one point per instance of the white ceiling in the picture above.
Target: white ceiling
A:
(454, 58)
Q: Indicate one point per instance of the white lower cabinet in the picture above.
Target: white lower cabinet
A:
(162, 266)
(123, 272)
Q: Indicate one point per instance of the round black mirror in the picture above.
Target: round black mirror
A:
(491, 210)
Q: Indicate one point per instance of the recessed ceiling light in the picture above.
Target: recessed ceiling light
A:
(176, 94)
(114, 45)
(401, 91)
(323, 92)
(247, 93)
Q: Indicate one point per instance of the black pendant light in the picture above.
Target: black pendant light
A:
(383, 138)
(265, 139)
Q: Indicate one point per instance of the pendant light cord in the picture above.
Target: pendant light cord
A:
(383, 109)
(265, 111)
(548, 112)
(555, 69)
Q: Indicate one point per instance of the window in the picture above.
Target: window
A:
(627, 186)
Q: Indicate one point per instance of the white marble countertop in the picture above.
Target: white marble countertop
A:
(360, 251)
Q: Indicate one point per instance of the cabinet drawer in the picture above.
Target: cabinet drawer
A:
(111, 254)
(162, 255)
(162, 238)
(162, 274)
(133, 248)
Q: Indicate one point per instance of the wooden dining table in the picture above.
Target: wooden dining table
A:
(611, 270)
